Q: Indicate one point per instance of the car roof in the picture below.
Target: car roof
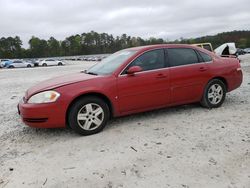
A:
(161, 46)
(155, 46)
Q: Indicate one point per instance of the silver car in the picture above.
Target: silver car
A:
(247, 50)
(20, 64)
(50, 62)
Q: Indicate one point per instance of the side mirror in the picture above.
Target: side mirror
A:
(133, 70)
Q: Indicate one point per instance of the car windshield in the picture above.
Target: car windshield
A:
(111, 63)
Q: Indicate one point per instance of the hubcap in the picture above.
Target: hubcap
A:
(90, 116)
(215, 94)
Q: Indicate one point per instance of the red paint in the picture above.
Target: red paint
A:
(132, 93)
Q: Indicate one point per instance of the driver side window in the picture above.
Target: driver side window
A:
(149, 61)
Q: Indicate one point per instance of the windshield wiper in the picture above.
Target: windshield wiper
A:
(92, 73)
(86, 72)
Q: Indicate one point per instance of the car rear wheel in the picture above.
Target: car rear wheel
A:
(44, 65)
(88, 115)
(214, 94)
(11, 66)
(60, 64)
(28, 65)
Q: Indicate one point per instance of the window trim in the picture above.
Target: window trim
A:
(17, 61)
(199, 52)
(201, 60)
(137, 56)
(166, 60)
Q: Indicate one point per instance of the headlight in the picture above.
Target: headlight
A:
(44, 97)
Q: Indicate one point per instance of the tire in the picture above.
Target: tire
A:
(214, 94)
(28, 65)
(83, 117)
(44, 65)
(11, 67)
(60, 64)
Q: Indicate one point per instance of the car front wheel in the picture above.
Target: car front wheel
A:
(214, 94)
(88, 115)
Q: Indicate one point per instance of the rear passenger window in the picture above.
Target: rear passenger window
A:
(182, 56)
(205, 57)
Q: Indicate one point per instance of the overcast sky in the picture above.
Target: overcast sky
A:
(167, 19)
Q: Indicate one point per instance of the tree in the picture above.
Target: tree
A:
(97, 43)
(54, 47)
(10, 47)
(38, 47)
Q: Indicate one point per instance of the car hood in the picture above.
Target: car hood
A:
(59, 82)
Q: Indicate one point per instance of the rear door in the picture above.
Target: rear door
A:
(146, 89)
(18, 64)
(50, 62)
(188, 75)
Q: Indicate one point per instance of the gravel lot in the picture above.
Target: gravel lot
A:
(182, 147)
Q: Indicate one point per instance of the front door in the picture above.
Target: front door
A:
(148, 88)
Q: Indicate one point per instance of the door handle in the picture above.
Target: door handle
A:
(202, 69)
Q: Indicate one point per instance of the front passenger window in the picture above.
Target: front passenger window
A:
(150, 60)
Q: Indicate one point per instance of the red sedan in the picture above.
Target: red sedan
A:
(131, 81)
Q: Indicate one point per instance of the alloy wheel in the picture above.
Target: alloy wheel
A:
(215, 94)
(90, 116)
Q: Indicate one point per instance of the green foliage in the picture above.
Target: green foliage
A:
(97, 43)
(241, 39)
(38, 47)
(10, 47)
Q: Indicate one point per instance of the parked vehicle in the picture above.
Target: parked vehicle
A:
(207, 46)
(4, 62)
(226, 49)
(19, 64)
(96, 59)
(33, 61)
(247, 50)
(50, 62)
(131, 81)
(240, 51)
(90, 59)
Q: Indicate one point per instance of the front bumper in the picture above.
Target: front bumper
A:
(50, 115)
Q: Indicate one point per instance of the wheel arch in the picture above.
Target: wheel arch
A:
(221, 79)
(96, 94)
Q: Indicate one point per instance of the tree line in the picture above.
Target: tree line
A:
(99, 43)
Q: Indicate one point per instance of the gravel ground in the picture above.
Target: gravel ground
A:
(183, 147)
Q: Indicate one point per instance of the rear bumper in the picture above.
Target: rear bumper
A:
(51, 115)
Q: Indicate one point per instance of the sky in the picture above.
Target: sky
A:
(165, 19)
